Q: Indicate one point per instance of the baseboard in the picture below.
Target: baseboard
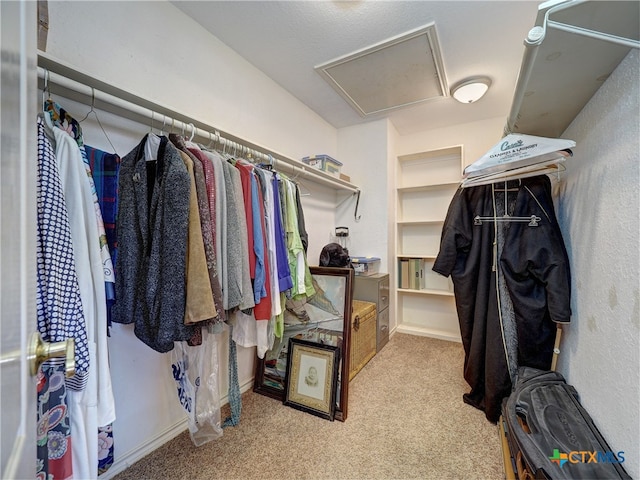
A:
(427, 332)
(127, 459)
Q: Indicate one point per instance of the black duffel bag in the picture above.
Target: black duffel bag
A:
(551, 435)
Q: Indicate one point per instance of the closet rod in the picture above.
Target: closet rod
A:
(125, 104)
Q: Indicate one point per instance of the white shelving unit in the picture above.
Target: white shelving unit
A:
(426, 183)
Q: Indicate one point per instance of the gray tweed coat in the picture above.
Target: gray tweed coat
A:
(152, 227)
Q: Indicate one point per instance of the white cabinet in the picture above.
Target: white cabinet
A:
(426, 183)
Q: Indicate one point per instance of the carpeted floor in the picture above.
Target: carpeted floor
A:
(406, 420)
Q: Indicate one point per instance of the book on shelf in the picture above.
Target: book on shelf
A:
(411, 273)
(404, 278)
(416, 272)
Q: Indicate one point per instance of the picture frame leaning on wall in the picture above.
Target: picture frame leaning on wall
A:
(312, 377)
(324, 318)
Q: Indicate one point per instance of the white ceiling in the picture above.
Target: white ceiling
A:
(287, 39)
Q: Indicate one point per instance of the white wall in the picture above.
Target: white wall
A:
(363, 148)
(151, 49)
(598, 204)
(475, 137)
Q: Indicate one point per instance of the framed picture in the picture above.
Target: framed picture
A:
(312, 377)
(325, 319)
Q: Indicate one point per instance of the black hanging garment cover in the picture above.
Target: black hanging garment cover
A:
(511, 283)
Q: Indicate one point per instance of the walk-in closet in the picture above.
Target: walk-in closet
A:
(318, 239)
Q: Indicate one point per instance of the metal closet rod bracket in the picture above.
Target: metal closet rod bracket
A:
(357, 195)
(355, 213)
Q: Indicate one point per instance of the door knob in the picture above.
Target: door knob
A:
(39, 351)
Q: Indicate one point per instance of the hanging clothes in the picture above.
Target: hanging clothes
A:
(264, 181)
(254, 214)
(246, 288)
(302, 229)
(93, 406)
(200, 171)
(253, 330)
(62, 119)
(199, 304)
(232, 289)
(219, 220)
(302, 284)
(212, 254)
(104, 167)
(59, 314)
(531, 266)
(153, 219)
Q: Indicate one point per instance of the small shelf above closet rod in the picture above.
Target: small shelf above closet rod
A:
(128, 105)
(572, 48)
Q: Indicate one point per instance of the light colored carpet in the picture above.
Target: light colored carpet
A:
(406, 420)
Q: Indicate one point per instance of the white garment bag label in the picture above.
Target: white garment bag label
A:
(517, 150)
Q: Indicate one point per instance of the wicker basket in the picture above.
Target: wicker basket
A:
(363, 335)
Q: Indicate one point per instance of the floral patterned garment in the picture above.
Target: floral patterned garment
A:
(105, 448)
(53, 431)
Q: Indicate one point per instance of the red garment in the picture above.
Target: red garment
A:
(245, 178)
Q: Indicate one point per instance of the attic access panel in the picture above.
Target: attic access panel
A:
(396, 73)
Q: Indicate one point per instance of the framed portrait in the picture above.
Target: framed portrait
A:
(312, 377)
(323, 318)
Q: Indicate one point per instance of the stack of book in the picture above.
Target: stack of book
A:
(411, 273)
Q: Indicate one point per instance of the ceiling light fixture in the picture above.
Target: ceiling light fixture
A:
(471, 89)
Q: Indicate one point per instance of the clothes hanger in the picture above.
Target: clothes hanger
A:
(267, 166)
(512, 189)
(554, 167)
(209, 145)
(164, 121)
(532, 220)
(95, 114)
(189, 142)
(299, 183)
(213, 139)
(46, 89)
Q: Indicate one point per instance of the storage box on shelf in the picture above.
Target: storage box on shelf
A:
(365, 266)
(426, 183)
(324, 163)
